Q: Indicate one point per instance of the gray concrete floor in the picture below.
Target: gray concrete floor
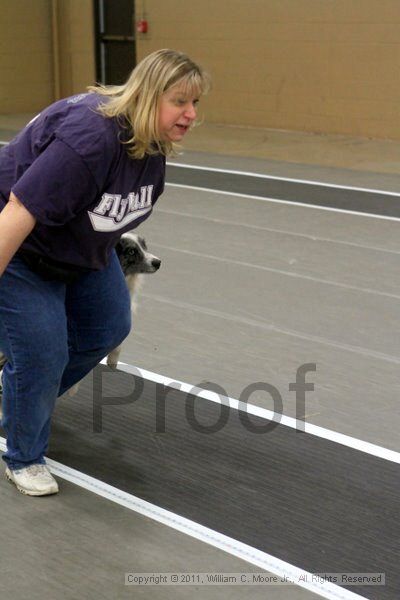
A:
(78, 545)
(248, 291)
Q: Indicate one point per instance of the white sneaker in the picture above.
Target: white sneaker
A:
(35, 480)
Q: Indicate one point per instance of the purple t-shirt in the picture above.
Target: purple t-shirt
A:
(70, 169)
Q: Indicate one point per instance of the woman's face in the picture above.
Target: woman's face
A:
(176, 113)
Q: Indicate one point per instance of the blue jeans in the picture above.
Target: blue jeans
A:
(52, 334)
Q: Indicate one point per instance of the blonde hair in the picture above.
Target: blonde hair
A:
(136, 103)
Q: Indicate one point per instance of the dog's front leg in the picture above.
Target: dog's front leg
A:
(113, 357)
(73, 390)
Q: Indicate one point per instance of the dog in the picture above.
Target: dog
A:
(135, 261)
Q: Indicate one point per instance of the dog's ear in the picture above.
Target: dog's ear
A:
(142, 241)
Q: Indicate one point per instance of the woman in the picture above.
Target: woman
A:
(84, 171)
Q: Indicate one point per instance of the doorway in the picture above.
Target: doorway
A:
(115, 40)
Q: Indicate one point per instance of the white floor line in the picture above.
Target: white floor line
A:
(321, 432)
(353, 212)
(306, 236)
(280, 178)
(262, 324)
(247, 553)
(303, 276)
(288, 202)
(275, 177)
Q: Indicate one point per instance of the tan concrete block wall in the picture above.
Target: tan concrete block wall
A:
(26, 75)
(313, 65)
(41, 58)
(76, 46)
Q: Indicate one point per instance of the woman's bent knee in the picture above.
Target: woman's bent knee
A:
(118, 335)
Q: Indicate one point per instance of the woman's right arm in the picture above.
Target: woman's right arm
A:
(16, 223)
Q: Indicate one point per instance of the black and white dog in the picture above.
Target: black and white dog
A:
(135, 261)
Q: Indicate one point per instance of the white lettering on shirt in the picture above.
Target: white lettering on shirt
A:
(114, 212)
(106, 203)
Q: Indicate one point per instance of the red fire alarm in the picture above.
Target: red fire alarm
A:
(142, 26)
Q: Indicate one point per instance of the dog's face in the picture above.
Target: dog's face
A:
(134, 256)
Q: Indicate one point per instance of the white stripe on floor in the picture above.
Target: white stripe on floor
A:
(214, 538)
(303, 276)
(306, 236)
(280, 178)
(289, 202)
(264, 413)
